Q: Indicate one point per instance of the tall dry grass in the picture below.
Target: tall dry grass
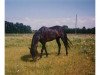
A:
(80, 60)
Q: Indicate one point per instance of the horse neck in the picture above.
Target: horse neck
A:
(34, 44)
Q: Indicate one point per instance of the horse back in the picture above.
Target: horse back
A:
(49, 34)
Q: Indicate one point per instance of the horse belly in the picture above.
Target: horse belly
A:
(51, 37)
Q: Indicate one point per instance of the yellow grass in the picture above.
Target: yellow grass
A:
(80, 60)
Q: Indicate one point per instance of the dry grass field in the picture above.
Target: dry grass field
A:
(80, 60)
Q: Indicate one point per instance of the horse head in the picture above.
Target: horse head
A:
(33, 52)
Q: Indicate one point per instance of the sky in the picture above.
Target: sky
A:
(38, 13)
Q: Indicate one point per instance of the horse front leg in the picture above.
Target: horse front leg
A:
(43, 48)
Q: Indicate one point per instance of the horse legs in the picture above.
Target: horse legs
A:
(41, 52)
(65, 44)
(43, 48)
(59, 45)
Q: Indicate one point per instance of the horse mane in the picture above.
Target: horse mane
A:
(35, 41)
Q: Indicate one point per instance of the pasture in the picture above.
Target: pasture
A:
(80, 59)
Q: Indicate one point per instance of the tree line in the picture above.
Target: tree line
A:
(10, 27)
(80, 30)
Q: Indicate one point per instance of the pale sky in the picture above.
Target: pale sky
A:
(38, 13)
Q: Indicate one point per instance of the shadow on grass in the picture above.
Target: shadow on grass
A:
(26, 58)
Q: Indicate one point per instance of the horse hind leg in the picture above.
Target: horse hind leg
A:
(59, 45)
(41, 52)
(65, 44)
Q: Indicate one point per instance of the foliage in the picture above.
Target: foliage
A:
(16, 28)
(82, 31)
(10, 27)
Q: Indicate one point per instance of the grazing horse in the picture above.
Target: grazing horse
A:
(46, 34)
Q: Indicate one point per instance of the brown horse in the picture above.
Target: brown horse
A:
(45, 34)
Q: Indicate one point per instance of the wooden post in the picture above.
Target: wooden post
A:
(76, 25)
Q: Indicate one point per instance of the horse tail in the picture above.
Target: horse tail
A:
(69, 43)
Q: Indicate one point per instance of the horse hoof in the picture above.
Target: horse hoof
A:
(58, 54)
(67, 54)
(38, 58)
(46, 56)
